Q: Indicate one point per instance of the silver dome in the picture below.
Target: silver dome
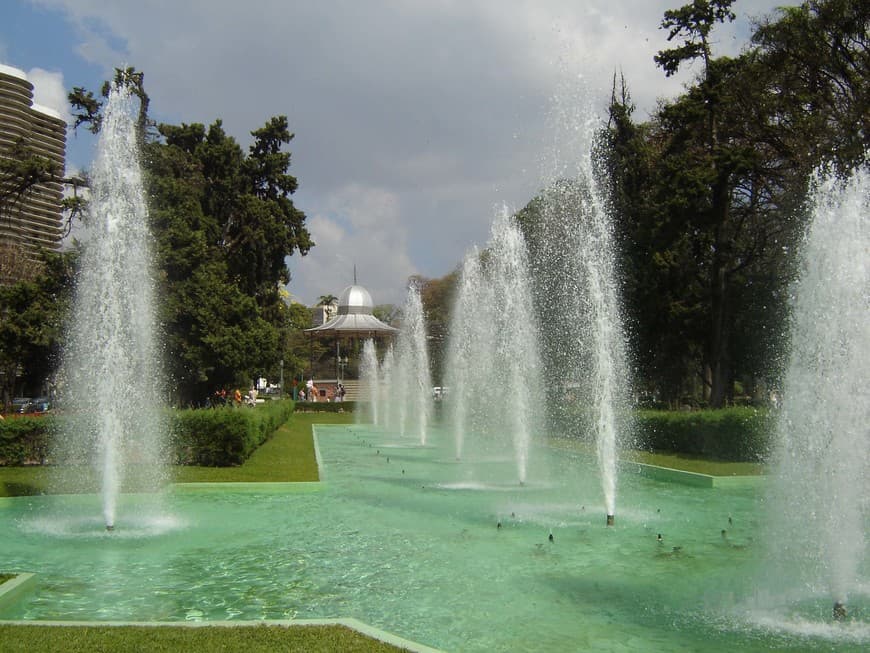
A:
(355, 300)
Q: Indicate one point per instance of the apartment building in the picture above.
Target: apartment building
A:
(31, 221)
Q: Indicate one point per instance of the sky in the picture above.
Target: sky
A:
(415, 121)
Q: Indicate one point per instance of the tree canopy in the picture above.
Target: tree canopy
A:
(224, 221)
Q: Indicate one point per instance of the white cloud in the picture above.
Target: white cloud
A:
(50, 91)
(412, 119)
(360, 229)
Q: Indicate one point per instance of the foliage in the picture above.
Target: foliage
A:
(222, 437)
(437, 297)
(20, 170)
(326, 407)
(87, 108)
(299, 347)
(734, 434)
(32, 313)
(818, 55)
(288, 456)
(224, 222)
(709, 194)
(25, 439)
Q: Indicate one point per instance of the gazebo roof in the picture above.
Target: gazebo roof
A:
(354, 319)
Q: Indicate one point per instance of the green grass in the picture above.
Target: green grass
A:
(684, 462)
(699, 465)
(5, 577)
(210, 639)
(24, 481)
(286, 457)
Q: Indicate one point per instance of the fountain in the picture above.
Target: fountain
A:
(572, 257)
(111, 375)
(409, 403)
(383, 394)
(411, 547)
(371, 383)
(821, 490)
(493, 363)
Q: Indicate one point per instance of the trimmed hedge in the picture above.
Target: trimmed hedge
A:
(220, 437)
(732, 434)
(224, 437)
(25, 440)
(325, 406)
(228, 436)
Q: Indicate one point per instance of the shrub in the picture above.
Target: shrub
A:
(25, 439)
(733, 434)
(326, 406)
(224, 437)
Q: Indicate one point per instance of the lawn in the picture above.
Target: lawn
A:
(684, 462)
(210, 639)
(695, 464)
(286, 457)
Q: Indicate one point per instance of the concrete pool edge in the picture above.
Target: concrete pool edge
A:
(349, 622)
(276, 487)
(695, 479)
(14, 588)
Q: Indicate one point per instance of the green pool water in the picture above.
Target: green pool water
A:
(406, 539)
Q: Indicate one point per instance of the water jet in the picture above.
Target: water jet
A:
(111, 376)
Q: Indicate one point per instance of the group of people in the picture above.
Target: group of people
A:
(222, 398)
(311, 393)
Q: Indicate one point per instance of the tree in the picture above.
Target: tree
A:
(222, 250)
(657, 277)
(817, 58)
(32, 313)
(706, 168)
(223, 223)
(437, 297)
(87, 109)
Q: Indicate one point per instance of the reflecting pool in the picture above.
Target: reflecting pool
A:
(446, 553)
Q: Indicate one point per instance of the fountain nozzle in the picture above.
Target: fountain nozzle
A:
(110, 527)
(840, 612)
(610, 520)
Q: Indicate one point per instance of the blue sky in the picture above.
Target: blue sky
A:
(414, 121)
(34, 37)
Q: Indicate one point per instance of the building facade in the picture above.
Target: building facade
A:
(33, 220)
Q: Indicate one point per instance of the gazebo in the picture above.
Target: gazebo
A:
(354, 321)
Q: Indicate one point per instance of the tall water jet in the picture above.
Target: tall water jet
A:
(465, 334)
(572, 251)
(410, 380)
(493, 367)
(822, 477)
(383, 395)
(370, 380)
(111, 375)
